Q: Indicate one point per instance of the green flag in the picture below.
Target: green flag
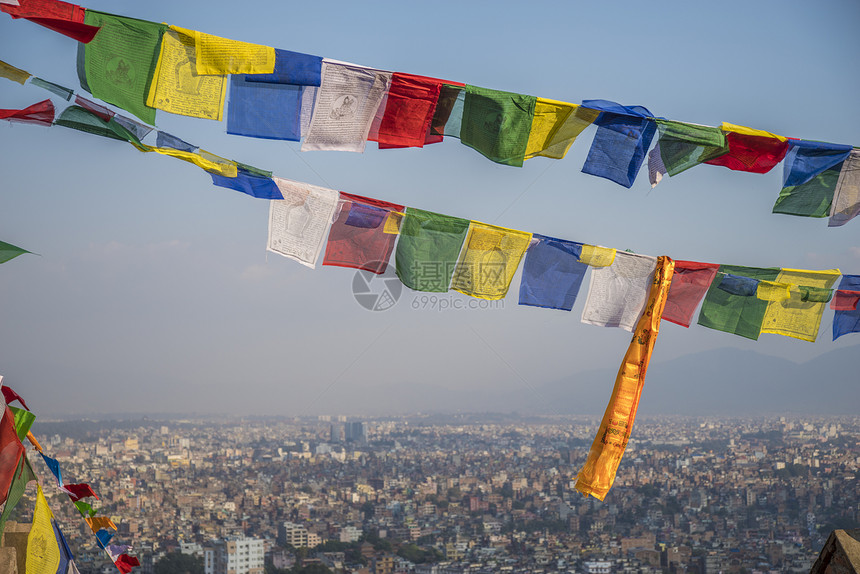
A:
(119, 62)
(23, 475)
(428, 249)
(497, 124)
(23, 421)
(683, 146)
(85, 509)
(810, 199)
(738, 314)
(9, 251)
(78, 118)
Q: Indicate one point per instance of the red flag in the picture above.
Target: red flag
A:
(8, 393)
(125, 563)
(79, 491)
(756, 154)
(11, 451)
(97, 109)
(690, 281)
(408, 111)
(40, 113)
(357, 239)
(844, 300)
(62, 17)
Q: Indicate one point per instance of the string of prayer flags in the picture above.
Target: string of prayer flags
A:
(552, 273)
(177, 86)
(80, 491)
(12, 73)
(61, 17)
(690, 281)
(345, 106)
(489, 260)
(11, 451)
(755, 151)
(43, 552)
(250, 183)
(357, 238)
(114, 550)
(292, 68)
(217, 56)
(41, 113)
(598, 473)
(624, 134)
(118, 65)
(23, 476)
(730, 304)
(409, 109)
(82, 119)
(555, 127)
(799, 314)
(428, 248)
(497, 124)
(684, 145)
(618, 293)
(846, 199)
(299, 223)
(810, 176)
(54, 467)
(164, 139)
(133, 127)
(265, 110)
(56, 89)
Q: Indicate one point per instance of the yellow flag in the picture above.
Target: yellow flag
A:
(598, 474)
(597, 256)
(392, 223)
(219, 56)
(488, 261)
(43, 552)
(176, 85)
(555, 127)
(773, 291)
(202, 159)
(743, 130)
(799, 315)
(13, 73)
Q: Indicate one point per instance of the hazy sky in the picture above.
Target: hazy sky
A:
(154, 292)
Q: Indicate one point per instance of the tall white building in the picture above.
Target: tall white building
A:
(297, 536)
(235, 556)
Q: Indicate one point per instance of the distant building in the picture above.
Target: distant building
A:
(355, 432)
(235, 556)
(297, 536)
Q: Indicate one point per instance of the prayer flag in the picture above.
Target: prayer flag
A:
(65, 552)
(596, 256)
(656, 168)
(755, 151)
(246, 182)
(449, 107)
(217, 56)
(683, 145)
(489, 260)
(409, 109)
(773, 291)
(392, 223)
(428, 249)
(690, 281)
(292, 68)
(85, 508)
(54, 467)
(846, 199)
(845, 321)
(11, 451)
(624, 134)
(555, 127)
(94, 108)
(741, 314)
(552, 273)
(12, 73)
(24, 419)
(133, 127)
(497, 124)
(96, 523)
(299, 223)
(345, 106)
(43, 551)
(125, 563)
(103, 536)
(177, 86)
(118, 64)
(618, 294)
(598, 473)
(799, 315)
(164, 139)
(806, 159)
(845, 300)
(8, 394)
(61, 17)
(79, 491)
(9, 251)
(264, 110)
(40, 113)
(115, 550)
(81, 119)
(810, 176)
(57, 89)
(357, 239)
(22, 477)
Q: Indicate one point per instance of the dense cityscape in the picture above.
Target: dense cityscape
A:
(445, 494)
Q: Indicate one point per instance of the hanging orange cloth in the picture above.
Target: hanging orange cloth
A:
(598, 474)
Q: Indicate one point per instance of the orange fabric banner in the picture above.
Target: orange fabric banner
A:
(598, 474)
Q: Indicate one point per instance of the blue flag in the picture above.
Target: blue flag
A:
(552, 273)
(264, 110)
(845, 322)
(292, 68)
(247, 182)
(164, 139)
(737, 285)
(54, 466)
(624, 134)
(806, 159)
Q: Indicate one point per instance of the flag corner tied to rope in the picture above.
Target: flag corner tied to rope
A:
(9, 251)
(497, 124)
(299, 223)
(598, 473)
(624, 134)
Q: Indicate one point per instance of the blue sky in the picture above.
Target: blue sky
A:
(153, 290)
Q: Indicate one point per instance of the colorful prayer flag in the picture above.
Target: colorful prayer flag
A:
(618, 293)
(103, 536)
(7, 252)
(246, 182)
(56, 89)
(217, 56)
(552, 273)
(684, 145)
(624, 134)
(409, 109)
(12, 73)
(755, 151)
(264, 110)
(125, 563)
(799, 315)
(94, 108)
(357, 239)
(61, 17)
(846, 199)
(85, 508)
(845, 321)
(598, 473)
(118, 64)
(690, 281)
(844, 300)
(22, 477)
(810, 176)
(43, 551)
(54, 467)
(24, 419)
(79, 491)
(81, 119)
(8, 394)
(11, 451)
(292, 68)
(41, 113)
(428, 249)
(497, 124)
(177, 86)
(66, 556)
(298, 224)
(449, 108)
(726, 310)
(489, 260)
(96, 523)
(597, 256)
(555, 127)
